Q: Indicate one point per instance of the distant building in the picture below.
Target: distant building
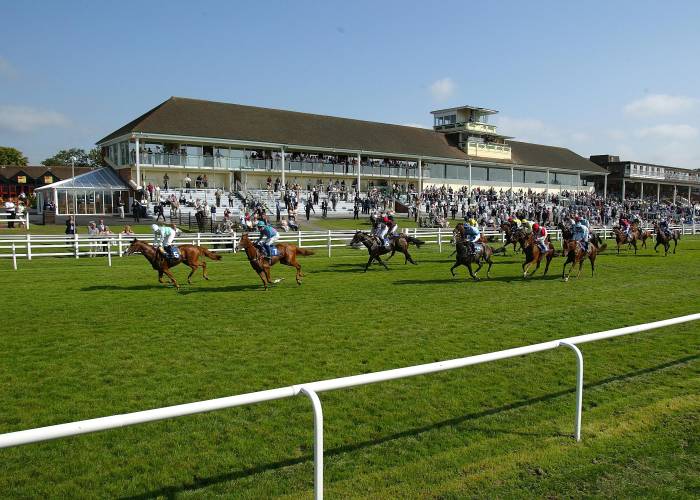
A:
(25, 179)
(240, 146)
(637, 180)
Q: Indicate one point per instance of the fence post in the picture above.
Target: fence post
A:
(318, 441)
(109, 252)
(29, 245)
(14, 256)
(440, 239)
(76, 246)
(27, 218)
(329, 243)
(199, 239)
(119, 243)
(579, 388)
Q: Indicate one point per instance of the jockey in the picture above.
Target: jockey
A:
(514, 223)
(663, 226)
(381, 229)
(625, 225)
(540, 235)
(472, 234)
(637, 221)
(392, 226)
(268, 237)
(163, 238)
(581, 233)
(526, 226)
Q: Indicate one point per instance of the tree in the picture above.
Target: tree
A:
(96, 158)
(92, 159)
(12, 156)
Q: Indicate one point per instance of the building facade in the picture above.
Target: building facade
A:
(648, 181)
(235, 147)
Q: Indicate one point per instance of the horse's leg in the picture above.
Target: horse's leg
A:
(488, 269)
(657, 246)
(194, 267)
(172, 278)
(480, 265)
(565, 276)
(371, 258)
(471, 273)
(592, 259)
(409, 258)
(455, 266)
(263, 278)
(580, 266)
(675, 244)
(160, 276)
(549, 261)
(379, 259)
(634, 244)
(204, 269)
(293, 262)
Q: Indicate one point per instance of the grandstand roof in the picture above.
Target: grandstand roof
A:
(186, 117)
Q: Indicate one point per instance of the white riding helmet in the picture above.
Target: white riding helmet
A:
(155, 227)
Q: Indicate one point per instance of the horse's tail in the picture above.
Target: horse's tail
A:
(500, 250)
(210, 254)
(415, 241)
(304, 251)
(602, 247)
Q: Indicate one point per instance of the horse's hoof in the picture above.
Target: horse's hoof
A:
(566, 279)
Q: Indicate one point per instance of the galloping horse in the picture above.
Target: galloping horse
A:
(286, 254)
(189, 254)
(466, 258)
(458, 234)
(642, 235)
(621, 238)
(533, 255)
(665, 239)
(575, 254)
(374, 249)
(513, 237)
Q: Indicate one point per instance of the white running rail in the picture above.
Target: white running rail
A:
(311, 390)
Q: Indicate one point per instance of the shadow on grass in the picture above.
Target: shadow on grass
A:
(185, 288)
(464, 277)
(98, 288)
(198, 483)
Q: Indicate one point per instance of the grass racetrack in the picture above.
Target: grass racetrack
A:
(81, 340)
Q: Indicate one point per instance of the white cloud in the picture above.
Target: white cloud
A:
(26, 119)
(442, 89)
(415, 125)
(677, 132)
(6, 69)
(660, 104)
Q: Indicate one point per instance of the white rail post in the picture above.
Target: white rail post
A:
(579, 388)
(298, 238)
(27, 218)
(14, 256)
(119, 243)
(440, 239)
(109, 252)
(329, 243)
(318, 441)
(76, 246)
(29, 246)
(199, 240)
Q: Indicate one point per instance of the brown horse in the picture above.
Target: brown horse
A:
(286, 254)
(458, 235)
(621, 238)
(534, 255)
(189, 254)
(513, 237)
(375, 249)
(643, 236)
(664, 239)
(575, 254)
(465, 257)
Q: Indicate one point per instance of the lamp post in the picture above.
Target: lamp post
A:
(72, 165)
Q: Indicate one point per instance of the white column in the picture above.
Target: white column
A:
(675, 189)
(547, 191)
(138, 164)
(511, 180)
(605, 187)
(282, 167)
(420, 175)
(623, 189)
(641, 191)
(578, 181)
(689, 195)
(359, 170)
(55, 199)
(470, 177)
(658, 192)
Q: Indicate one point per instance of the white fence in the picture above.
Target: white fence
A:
(31, 246)
(312, 389)
(23, 221)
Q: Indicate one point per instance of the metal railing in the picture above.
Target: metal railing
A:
(311, 390)
(32, 246)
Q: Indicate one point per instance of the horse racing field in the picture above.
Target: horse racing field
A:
(81, 340)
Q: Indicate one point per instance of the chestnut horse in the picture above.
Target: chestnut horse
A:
(621, 238)
(513, 237)
(286, 254)
(189, 254)
(575, 254)
(533, 255)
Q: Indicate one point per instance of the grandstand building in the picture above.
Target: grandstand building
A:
(638, 180)
(238, 147)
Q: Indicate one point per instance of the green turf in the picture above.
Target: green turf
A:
(82, 340)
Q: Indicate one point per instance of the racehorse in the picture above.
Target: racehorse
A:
(664, 239)
(575, 254)
(533, 255)
(465, 257)
(643, 235)
(458, 234)
(375, 249)
(189, 254)
(513, 237)
(621, 238)
(286, 254)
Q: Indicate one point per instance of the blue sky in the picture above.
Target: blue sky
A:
(598, 77)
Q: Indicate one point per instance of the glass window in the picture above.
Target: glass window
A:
(455, 171)
(564, 179)
(535, 177)
(479, 173)
(108, 202)
(90, 202)
(62, 203)
(99, 206)
(499, 174)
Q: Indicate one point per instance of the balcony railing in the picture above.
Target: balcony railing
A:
(271, 164)
(470, 126)
(666, 175)
(488, 149)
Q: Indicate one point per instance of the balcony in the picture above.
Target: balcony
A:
(662, 175)
(488, 150)
(478, 127)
